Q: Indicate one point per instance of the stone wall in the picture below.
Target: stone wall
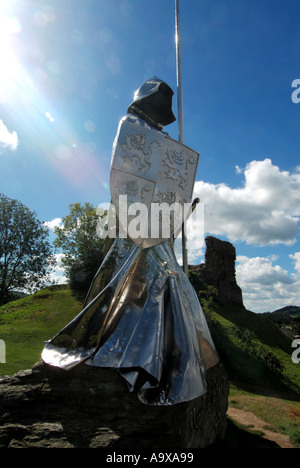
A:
(88, 407)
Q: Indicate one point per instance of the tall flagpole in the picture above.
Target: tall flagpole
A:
(180, 113)
(179, 72)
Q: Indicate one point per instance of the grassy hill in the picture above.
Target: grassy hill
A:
(256, 354)
(288, 318)
(25, 324)
(241, 337)
(286, 313)
(259, 390)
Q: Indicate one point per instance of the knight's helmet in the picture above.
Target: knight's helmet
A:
(154, 98)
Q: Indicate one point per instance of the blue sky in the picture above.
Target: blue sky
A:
(68, 72)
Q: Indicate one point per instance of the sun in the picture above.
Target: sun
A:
(9, 26)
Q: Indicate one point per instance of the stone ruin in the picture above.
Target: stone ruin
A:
(219, 271)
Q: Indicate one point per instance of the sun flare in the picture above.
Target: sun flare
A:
(9, 64)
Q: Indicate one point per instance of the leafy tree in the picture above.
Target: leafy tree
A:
(25, 253)
(83, 248)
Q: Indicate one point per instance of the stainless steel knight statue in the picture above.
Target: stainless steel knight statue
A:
(141, 315)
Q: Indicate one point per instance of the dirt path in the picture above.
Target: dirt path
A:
(254, 423)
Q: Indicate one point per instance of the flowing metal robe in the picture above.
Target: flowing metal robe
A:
(141, 317)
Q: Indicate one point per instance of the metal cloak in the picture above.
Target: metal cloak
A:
(143, 318)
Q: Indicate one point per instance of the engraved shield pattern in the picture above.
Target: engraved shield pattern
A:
(149, 167)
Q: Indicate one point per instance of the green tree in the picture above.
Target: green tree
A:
(26, 255)
(83, 249)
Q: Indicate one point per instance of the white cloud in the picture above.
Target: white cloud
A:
(265, 210)
(296, 258)
(194, 252)
(7, 139)
(261, 270)
(265, 286)
(56, 222)
(195, 237)
(58, 273)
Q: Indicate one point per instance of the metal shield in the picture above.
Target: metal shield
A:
(152, 181)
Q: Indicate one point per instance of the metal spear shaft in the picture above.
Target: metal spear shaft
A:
(180, 114)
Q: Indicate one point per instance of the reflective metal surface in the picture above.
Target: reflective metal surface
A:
(147, 323)
(141, 317)
(154, 99)
(152, 169)
(147, 88)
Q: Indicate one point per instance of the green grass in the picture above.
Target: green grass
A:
(27, 323)
(242, 338)
(282, 416)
